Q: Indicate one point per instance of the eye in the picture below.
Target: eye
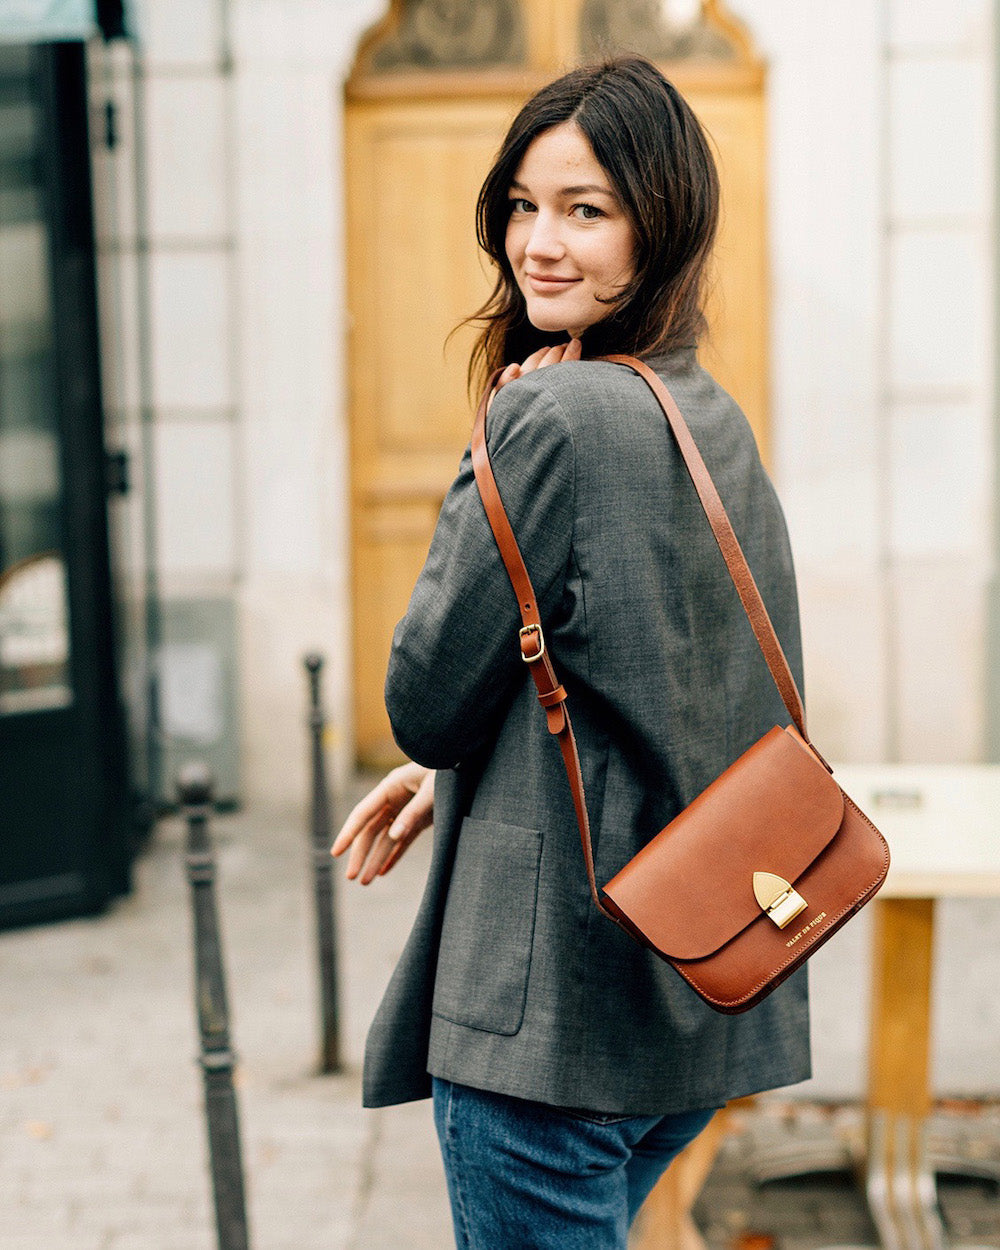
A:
(520, 205)
(588, 212)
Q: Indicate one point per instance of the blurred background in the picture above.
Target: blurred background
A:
(234, 235)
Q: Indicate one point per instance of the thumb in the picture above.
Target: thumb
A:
(417, 814)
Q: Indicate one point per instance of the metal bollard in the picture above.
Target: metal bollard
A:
(326, 918)
(194, 789)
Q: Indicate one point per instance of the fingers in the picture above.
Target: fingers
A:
(372, 808)
(573, 350)
(509, 374)
(535, 359)
(398, 851)
(553, 356)
(399, 808)
(415, 817)
(410, 824)
(380, 805)
(541, 359)
(386, 850)
(371, 833)
(417, 814)
(544, 356)
(381, 851)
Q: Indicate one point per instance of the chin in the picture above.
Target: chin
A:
(550, 320)
(542, 320)
(548, 323)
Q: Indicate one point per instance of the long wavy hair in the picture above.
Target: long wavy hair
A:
(657, 156)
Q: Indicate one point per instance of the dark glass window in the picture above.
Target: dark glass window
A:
(34, 626)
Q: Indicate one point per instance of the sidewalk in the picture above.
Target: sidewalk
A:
(102, 1138)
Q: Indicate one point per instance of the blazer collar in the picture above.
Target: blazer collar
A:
(678, 360)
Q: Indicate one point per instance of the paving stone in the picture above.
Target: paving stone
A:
(102, 1137)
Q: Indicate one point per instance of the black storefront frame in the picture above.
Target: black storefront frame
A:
(71, 761)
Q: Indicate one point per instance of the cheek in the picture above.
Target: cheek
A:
(513, 243)
(621, 256)
(611, 258)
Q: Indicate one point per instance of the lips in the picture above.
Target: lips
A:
(544, 283)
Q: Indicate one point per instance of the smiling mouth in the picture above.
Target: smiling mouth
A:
(547, 282)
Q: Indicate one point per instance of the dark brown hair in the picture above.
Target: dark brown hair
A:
(656, 154)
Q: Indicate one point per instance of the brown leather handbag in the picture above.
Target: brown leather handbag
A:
(766, 863)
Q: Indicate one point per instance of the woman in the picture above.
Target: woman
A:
(567, 1064)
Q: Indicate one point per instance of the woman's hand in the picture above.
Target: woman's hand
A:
(572, 350)
(386, 821)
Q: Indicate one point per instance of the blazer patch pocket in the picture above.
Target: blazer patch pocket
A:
(489, 924)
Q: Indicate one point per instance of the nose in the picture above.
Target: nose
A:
(544, 242)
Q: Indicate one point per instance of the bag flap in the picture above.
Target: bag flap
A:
(691, 888)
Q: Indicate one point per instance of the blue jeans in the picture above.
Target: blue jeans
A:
(525, 1176)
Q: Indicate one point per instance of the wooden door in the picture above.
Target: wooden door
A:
(433, 89)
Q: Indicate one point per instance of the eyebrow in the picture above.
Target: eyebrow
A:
(583, 189)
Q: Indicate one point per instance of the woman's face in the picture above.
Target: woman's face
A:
(569, 241)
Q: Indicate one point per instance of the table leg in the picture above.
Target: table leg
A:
(900, 1184)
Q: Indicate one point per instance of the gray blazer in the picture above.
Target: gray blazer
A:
(511, 980)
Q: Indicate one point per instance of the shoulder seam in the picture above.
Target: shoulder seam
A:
(571, 555)
(551, 401)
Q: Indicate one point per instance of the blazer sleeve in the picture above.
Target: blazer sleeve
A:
(455, 661)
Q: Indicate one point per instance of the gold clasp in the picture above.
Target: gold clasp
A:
(775, 896)
(523, 633)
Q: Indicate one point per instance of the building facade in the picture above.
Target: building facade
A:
(224, 330)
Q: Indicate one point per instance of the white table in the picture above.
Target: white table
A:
(942, 823)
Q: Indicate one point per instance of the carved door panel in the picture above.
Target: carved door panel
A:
(433, 89)
(414, 271)
(738, 306)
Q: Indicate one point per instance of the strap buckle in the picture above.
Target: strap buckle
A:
(523, 633)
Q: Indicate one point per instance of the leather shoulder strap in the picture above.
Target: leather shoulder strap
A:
(551, 694)
(534, 652)
(732, 552)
